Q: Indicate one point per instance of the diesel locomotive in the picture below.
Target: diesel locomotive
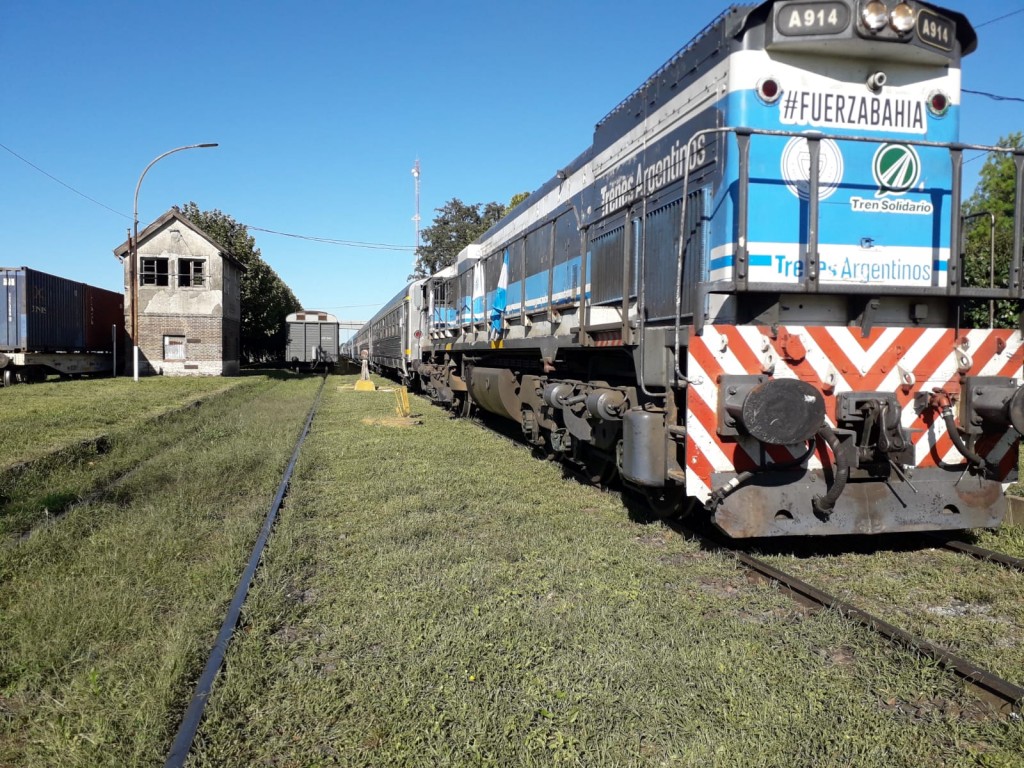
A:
(746, 296)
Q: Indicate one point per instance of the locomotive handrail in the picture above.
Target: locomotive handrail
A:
(740, 282)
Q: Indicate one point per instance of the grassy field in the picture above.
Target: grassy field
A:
(107, 614)
(435, 596)
(67, 440)
(41, 418)
(973, 608)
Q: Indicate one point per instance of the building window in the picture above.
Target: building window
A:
(191, 273)
(174, 347)
(153, 272)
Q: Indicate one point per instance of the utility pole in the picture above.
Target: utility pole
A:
(416, 218)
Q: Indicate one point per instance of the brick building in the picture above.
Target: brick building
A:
(189, 293)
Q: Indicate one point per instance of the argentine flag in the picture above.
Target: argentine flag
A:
(500, 303)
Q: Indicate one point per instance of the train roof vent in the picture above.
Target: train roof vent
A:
(675, 57)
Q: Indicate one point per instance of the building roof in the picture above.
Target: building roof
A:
(174, 214)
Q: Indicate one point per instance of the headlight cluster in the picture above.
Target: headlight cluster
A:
(875, 15)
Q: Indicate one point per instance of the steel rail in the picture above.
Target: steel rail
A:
(186, 734)
(1010, 695)
(980, 553)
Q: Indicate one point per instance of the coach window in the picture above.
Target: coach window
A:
(174, 347)
(153, 272)
(191, 273)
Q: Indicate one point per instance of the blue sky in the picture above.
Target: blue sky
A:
(321, 108)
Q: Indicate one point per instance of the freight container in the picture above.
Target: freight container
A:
(49, 324)
(41, 312)
(312, 338)
(103, 311)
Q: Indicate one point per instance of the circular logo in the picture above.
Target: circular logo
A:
(896, 168)
(796, 168)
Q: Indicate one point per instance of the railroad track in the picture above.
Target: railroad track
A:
(186, 733)
(979, 553)
(1005, 696)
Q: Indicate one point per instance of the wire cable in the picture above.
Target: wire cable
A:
(993, 96)
(51, 176)
(1000, 18)
(334, 241)
(327, 240)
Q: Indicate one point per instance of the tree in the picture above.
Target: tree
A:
(456, 226)
(993, 196)
(266, 299)
(517, 198)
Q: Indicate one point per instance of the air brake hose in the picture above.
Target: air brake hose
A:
(958, 441)
(718, 495)
(823, 505)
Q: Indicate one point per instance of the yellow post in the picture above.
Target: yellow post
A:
(402, 397)
(364, 384)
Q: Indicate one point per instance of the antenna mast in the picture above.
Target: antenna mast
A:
(416, 218)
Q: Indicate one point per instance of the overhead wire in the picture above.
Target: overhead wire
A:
(1000, 18)
(312, 238)
(63, 184)
(993, 96)
(334, 241)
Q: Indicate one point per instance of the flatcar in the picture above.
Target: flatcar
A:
(746, 296)
(52, 325)
(312, 339)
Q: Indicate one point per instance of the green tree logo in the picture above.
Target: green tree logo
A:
(896, 168)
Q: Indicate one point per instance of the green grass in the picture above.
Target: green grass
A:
(43, 489)
(971, 607)
(107, 615)
(434, 596)
(41, 418)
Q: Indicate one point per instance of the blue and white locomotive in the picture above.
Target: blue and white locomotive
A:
(747, 292)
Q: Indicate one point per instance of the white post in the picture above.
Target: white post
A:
(113, 339)
(135, 361)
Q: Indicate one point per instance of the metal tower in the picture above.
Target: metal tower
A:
(416, 218)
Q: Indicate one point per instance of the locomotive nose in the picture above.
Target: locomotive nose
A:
(775, 411)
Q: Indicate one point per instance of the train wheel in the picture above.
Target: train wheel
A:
(461, 405)
(8, 377)
(665, 503)
(597, 469)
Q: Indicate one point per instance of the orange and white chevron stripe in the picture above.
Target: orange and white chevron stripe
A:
(836, 359)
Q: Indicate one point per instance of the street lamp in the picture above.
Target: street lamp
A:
(133, 268)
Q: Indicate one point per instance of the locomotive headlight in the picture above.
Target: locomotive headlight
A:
(874, 15)
(902, 18)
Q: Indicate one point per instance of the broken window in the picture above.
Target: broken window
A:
(191, 273)
(153, 272)
(174, 347)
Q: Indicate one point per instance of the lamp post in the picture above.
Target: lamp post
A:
(133, 268)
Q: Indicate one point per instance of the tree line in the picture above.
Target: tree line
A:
(988, 235)
(266, 299)
(456, 225)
